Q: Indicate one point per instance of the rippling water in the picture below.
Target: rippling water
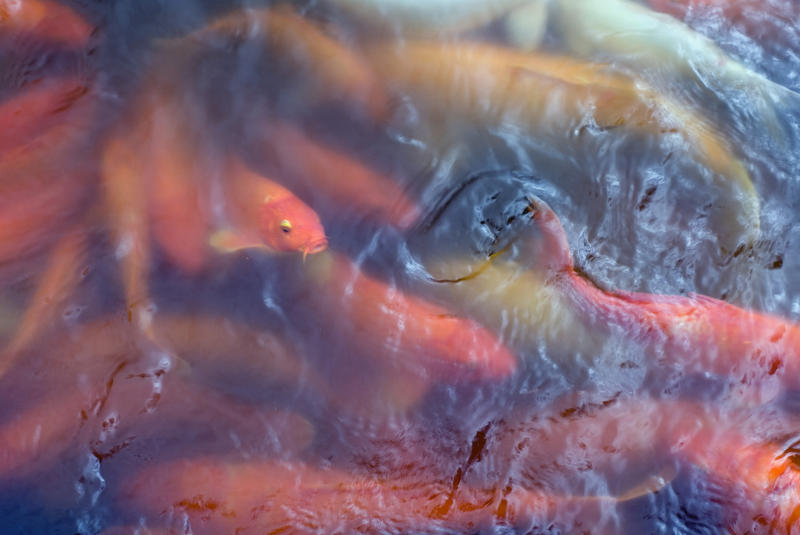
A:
(381, 267)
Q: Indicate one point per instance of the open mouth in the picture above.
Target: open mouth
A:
(315, 247)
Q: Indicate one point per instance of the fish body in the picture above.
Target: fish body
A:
(408, 330)
(60, 277)
(269, 214)
(337, 73)
(759, 19)
(125, 200)
(330, 180)
(259, 496)
(44, 169)
(33, 109)
(658, 44)
(554, 96)
(47, 20)
(428, 18)
(174, 169)
(701, 333)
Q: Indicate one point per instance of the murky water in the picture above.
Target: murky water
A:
(381, 267)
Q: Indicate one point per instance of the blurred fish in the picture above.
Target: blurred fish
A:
(554, 96)
(337, 72)
(410, 331)
(31, 110)
(265, 214)
(174, 171)
(124, 411)
(125, 200)
(701, 333)
(630, 34)
(329, 180)
(756, 477)
(759, 19)
(40, 433)
(429, 18)
(60, 277)
(46, 169)
(258, 496)
(46, 20)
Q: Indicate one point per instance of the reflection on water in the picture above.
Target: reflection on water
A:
(342, 266)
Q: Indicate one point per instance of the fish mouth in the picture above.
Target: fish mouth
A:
(315, 247)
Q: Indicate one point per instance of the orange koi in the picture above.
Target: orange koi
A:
(258, 496)
(111, 411)
(704, 334)
(39, 433)
(551, 96)
(126, 210)
(331, 180)
(264, 213)
(57, 282)
(639, 431)
(415, 332)
(339, 72)
(48, 20)
(43, 185)
(175, 176)
(36, 107)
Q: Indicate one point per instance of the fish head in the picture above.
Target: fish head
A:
(288, 224)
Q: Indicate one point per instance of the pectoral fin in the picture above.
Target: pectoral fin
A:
(228, 241)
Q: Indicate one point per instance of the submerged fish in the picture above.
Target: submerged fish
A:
(616, 438)
(406, 330)
(631, 34)
(333, 182)
(261, 496)
(45, 165)
(32, 110)
(265, 214)
(700, 333)
(428, 17)
(62, 274)
(759, 19)
(554, 97)
(336, 72)
(47, 20)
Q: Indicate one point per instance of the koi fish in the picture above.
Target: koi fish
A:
(553, 96)
(636, 36)
(48, 20)
(330, 180)
(619, 435)
(110, 414)
(413, 332)
(174, 172)
(126, 211)
(259, 496)
(32, 110)
(39, 433)
(266, 214)
(759, 19)
(60, 277)
(43, 183)
(341, 74)
(702, 333)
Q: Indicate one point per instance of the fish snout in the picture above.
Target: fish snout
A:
(315, 246)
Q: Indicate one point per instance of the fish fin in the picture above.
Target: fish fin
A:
(228, 241)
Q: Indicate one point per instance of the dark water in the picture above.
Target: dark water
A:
(479, 348)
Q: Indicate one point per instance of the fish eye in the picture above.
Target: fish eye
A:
(286, 226)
